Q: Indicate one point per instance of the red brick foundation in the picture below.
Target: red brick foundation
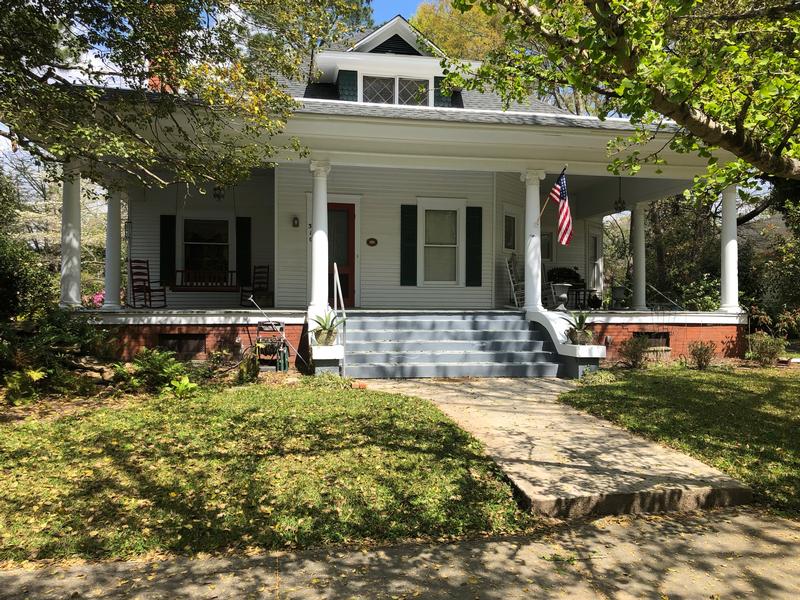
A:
(730, 339)
(234, 338)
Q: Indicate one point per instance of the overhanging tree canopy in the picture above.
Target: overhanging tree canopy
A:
(215, 64)
(727, 72)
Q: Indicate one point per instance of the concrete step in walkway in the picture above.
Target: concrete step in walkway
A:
(567, 463)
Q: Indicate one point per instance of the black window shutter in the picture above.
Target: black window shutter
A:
(408, 244)
(474, 246)
(440, 99)
(167, 249)
(244, 250)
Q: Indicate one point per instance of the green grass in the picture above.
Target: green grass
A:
(254, 468)
(744, 421)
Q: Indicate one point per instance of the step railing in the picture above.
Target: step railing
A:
(338, 302)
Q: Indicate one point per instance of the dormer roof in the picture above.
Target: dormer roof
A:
(396, 36)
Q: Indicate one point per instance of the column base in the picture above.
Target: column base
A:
(111, 307)
(731, 310)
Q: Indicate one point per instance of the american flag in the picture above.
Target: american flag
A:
(559, 195)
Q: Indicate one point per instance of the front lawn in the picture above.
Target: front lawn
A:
(253, 468)
(744, 421)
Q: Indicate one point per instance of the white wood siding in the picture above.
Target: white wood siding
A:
(382, 192)
(252, 198)
(510, 191)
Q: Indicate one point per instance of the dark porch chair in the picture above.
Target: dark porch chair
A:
(142, 292)
(258, 288)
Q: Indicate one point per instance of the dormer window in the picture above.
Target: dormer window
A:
(406, 91)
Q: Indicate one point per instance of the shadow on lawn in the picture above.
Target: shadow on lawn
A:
(386, 470)
(746, 421)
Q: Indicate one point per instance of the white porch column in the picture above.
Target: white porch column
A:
(113, 250)
(729, 297)
(319, 238)
(71, 238)
(533, 241)
(638, 249)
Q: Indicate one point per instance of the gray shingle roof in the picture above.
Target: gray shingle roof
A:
(553, 118)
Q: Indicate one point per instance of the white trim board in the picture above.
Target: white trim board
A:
(168, 318)
(668, 318)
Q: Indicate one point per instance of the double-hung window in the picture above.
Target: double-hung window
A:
(396, 90)
(206, 246)
(441, 241)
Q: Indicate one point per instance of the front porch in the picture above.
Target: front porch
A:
(432, 241)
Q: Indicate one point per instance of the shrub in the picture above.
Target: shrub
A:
(249, 369)
(765, 349)
(151, 370)
(701, 294)
(701, 354)
(52, 343)
(183, 388)
(26, 283)
(633, 351)
(23, 385)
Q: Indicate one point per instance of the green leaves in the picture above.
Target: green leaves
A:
(82, 84)
(730, 83)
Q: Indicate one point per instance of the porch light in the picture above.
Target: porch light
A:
(295, 221)
(219, 193)
(619, 204)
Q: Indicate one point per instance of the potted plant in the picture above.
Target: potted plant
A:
(327, 328)
(579, 332)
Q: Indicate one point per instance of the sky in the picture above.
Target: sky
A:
(385, 9)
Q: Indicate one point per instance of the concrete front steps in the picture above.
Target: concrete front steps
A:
(385, 344)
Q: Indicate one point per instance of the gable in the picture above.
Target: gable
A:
(397, 36)
(396, 45)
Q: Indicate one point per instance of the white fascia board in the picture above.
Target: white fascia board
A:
(330, 62)
(209, 317)
(667, 318)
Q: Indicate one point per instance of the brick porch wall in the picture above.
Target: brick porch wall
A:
(218, 337)
(730, 339)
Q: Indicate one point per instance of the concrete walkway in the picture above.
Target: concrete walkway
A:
(729, 553)
(567, 463)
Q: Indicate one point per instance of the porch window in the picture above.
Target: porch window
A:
(510, 232)
(205, 247)
(547, 245)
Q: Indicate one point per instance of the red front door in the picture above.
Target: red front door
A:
(342, 250)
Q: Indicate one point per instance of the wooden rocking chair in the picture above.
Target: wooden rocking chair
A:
(517, 286)
(142, 292)
(258, 289)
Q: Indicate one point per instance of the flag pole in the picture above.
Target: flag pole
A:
(547, 200)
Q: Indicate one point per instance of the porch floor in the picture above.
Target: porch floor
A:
(567, 463)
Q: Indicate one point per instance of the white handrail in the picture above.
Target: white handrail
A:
(338, 299)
